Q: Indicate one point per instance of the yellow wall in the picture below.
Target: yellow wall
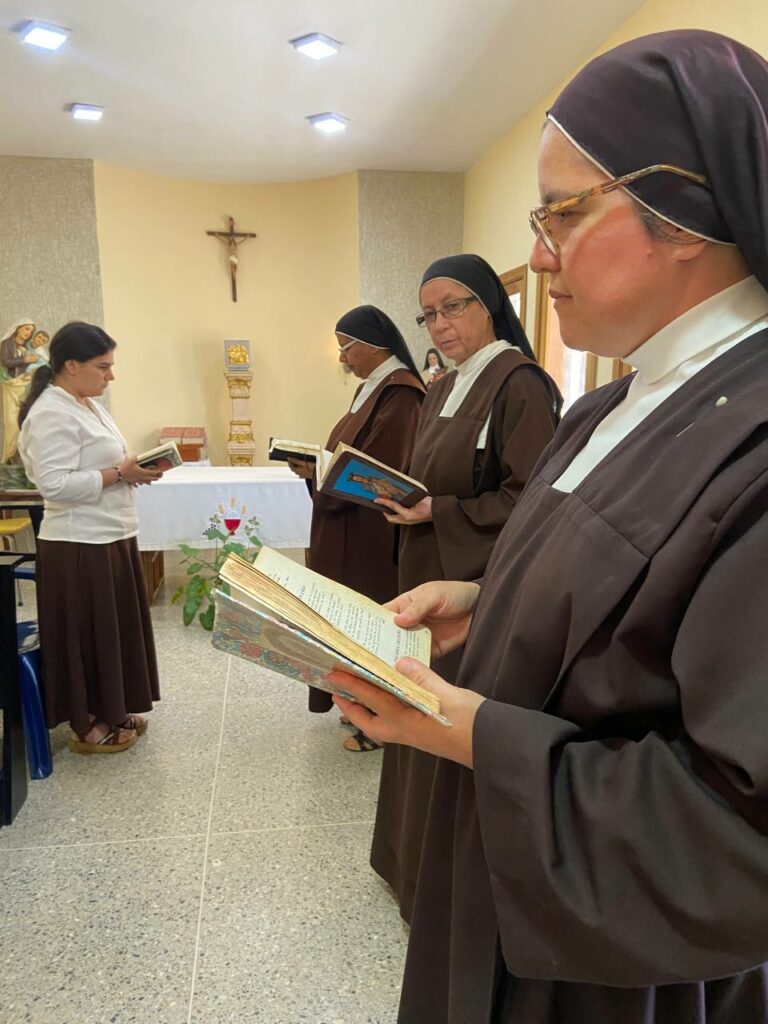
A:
(501, 187)
(167, 301)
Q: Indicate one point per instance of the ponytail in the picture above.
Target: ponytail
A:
(78, 341)
(40, 381)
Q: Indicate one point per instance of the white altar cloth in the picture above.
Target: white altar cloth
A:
(176, 509)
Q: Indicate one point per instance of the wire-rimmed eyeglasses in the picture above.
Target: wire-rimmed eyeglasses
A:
(450, 310)
(540, 218)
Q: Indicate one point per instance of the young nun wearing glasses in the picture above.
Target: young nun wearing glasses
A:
(482, 429)
(597, 842)
(353, 545)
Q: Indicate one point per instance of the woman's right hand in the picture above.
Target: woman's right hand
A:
(133, 473)
(445, 607)
(302, 468)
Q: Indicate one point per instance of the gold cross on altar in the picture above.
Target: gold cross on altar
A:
(232, 239)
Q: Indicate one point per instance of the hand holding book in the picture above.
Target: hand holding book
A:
(302, 467)
(130, 472)
(387, 720)
(165, 456)
(356, 476)
(302, 625)
(421, 512)
(445, 607)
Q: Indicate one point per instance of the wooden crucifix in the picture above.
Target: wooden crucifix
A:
(232, 239)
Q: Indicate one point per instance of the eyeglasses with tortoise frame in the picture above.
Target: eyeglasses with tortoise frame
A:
(540, 216)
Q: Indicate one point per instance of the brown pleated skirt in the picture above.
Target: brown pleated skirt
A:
(98, 651)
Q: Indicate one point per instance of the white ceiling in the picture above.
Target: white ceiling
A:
(210, 89)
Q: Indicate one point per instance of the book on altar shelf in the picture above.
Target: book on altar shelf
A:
(355, 476)
(166, 456)
(300, 624)
(280, 450)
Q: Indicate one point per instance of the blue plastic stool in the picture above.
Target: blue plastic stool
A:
(35, 732)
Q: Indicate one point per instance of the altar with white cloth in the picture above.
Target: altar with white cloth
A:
(176, 509)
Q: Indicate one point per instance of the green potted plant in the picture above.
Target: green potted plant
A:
(202, 565)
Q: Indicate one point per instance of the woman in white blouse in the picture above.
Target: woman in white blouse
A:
(98, 651)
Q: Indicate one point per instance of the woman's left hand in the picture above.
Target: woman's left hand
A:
(387, 720)
(420, 513)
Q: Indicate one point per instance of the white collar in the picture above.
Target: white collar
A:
(382, 371)
(55, 389)
(482, 357)
(712, 322)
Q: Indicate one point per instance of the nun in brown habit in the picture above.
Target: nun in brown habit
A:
(481, 431)
(353, 545)
(597, 844)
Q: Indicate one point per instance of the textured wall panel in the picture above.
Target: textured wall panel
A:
(49, 256)
(407, 219)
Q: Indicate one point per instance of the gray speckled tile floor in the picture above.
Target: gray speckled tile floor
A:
(103, 932)
(215, 873)
(305, 905)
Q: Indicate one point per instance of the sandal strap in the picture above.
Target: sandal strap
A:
(365, 743)
(111, 739)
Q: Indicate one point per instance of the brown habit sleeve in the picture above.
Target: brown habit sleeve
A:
(387, 436)
(522, 425)
(635, 863)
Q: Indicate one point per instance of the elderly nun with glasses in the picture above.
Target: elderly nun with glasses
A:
(596, 847)
(482, 429)
(351, 544)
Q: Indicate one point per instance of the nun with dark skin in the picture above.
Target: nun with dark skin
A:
(350, 544)
(596, 847)
(482, 429)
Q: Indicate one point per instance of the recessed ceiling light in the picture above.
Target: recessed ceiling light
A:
(329, 122)
(43, 35)
(86, 112)
(316, 45)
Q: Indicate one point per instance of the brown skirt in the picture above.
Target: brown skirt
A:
(98, 651)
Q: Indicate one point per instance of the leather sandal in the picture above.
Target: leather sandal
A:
(360, 743)
(134, 722)
(109, 744)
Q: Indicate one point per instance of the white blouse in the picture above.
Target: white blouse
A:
(667, 360)
(64, 446)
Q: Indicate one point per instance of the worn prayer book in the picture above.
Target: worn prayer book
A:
(296, 622)
(166, 456)
(280, 450)
(355, 476)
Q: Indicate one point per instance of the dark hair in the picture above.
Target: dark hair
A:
(430, 352)
(78, 341)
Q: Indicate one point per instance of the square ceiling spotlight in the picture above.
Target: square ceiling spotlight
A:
(42, 35)
(85, 112)
(316, 45)
(329, 122)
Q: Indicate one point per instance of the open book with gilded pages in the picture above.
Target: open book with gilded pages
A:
(296, 622)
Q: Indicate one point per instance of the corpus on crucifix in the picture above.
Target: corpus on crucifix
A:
(232, 239)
